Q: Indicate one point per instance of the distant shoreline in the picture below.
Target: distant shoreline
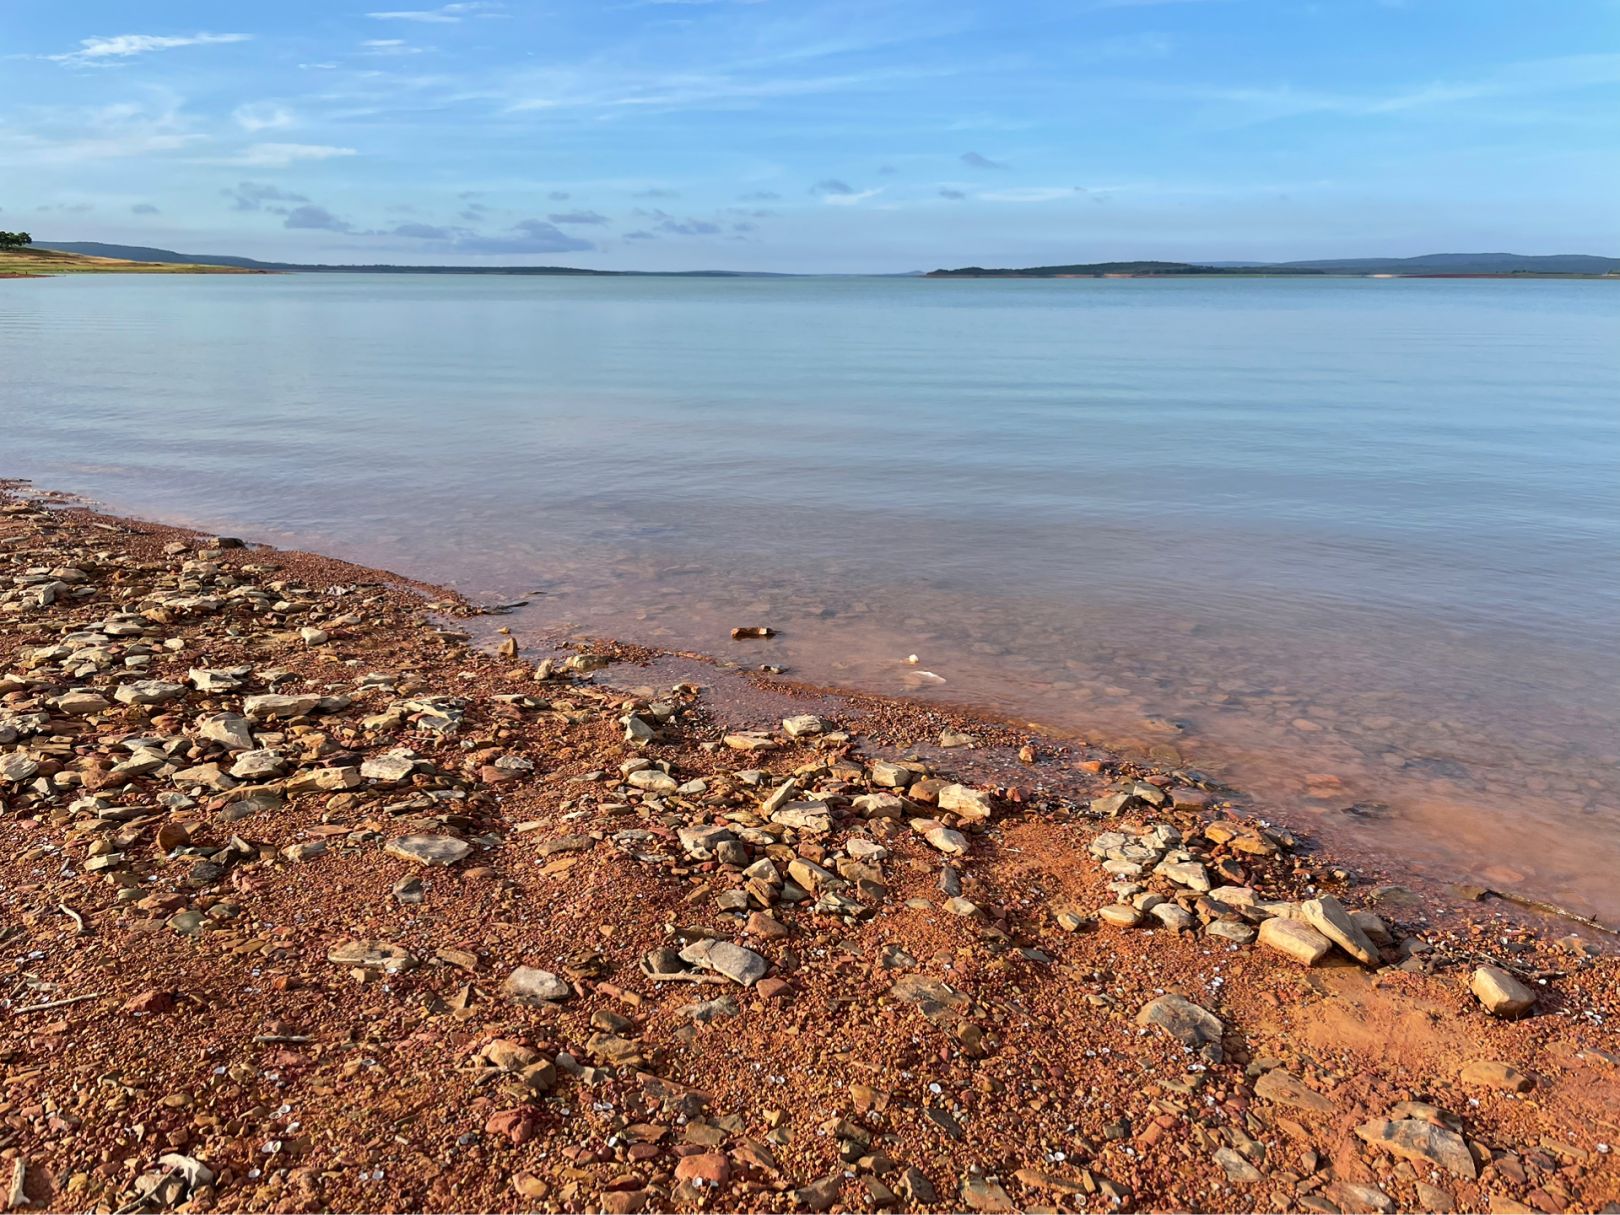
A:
(91, 255)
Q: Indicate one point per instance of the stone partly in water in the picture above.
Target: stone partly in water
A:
(1196, 1028)
(1501, 994)
(802, 725)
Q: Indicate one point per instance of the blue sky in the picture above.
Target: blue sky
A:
(879, 135)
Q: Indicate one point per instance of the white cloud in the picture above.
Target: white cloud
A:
(263, 116)
(91, 134)
(389, 46)
(850, 200)
(123, 46)
(280, 155)
(448, 14)
(1028, 194)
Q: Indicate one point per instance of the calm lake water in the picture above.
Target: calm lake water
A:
(1352, 544)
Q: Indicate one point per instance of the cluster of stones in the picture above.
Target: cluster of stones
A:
(155, 783)
(1200, 883)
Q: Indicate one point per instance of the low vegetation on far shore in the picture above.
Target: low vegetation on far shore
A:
(31, 262)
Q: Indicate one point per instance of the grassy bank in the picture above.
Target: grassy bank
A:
(33, 263)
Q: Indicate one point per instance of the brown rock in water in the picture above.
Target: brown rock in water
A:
(752, 630)
(1501, 994)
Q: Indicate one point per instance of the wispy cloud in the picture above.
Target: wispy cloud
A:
(525, 236)
(71, 135)
(446, 14)
(974, 161)
(1527, 78)
(263, 116)
(280, 155)
(318, 218)
(1029, 194)
(577, 217)
(119, 47)
(388, 46)
(255, 195)
(853, 198)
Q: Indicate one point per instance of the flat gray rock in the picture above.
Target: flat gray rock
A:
(1424, 1142)
(428, 849)
(1196, 1028)
(738, 964)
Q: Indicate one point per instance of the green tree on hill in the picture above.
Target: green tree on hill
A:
(15, 240)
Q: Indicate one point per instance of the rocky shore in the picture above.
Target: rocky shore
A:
(308, 903)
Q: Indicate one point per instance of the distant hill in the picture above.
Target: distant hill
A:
(1467, 263)
(1120, 269)
(45, 259)
(1428, 265)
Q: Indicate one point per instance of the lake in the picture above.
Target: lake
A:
(1351, 544)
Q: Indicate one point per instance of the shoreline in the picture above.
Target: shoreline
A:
(786, 964)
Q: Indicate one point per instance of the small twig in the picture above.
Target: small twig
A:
(30, 1008)
(16, 1196)
(75, 917)
(1550, 909)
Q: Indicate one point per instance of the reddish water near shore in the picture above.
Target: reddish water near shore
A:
(1352, 546)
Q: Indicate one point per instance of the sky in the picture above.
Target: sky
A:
(844, 136)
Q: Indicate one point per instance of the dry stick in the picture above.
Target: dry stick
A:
(16, 1196)
(74, 916)
(1552, 909)
(28, 1008)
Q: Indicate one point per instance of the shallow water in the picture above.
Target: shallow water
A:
(1361, 531)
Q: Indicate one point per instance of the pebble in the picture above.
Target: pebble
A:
(1121, 915)
(528, 983)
